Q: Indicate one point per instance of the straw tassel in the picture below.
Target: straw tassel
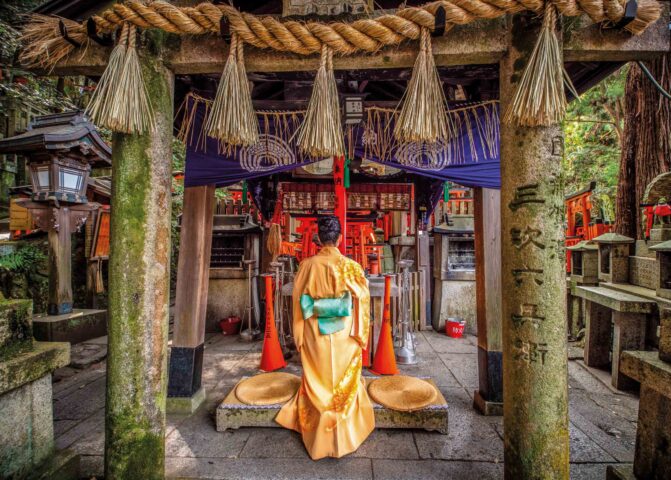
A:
(539, 98)
(423, 116)
(321, 133)
(232, 119)
(120, 101)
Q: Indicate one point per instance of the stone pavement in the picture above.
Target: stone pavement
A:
(603, 425)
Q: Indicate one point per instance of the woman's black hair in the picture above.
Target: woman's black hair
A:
(328, 228)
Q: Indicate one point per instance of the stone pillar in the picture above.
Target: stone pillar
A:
(597, 334)
(60, 262)
(488, 399)
(628, 334)
(535, 390)
(139, 275)
(193, 276)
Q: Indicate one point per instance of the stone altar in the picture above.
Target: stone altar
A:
(233, 414)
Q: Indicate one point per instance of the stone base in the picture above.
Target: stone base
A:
(232, 413)
(658, 235)
(63, 465)
(620, 472)
(185, 405)
(489, 409)
(26, 428)
(75, 327)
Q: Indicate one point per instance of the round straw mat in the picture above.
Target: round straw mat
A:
(267, 388)
(402, 393)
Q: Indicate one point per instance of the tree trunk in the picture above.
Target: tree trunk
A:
(646, 147)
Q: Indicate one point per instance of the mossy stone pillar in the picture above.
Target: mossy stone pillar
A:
(139, 273)
(535, 391)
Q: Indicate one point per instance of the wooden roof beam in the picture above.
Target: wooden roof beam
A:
(481, 42)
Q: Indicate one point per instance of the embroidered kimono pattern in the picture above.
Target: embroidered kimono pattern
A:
(332, 410)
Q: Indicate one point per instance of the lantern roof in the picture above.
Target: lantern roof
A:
(613, 238)
(662, 247)
(583, 246)
(61, 132)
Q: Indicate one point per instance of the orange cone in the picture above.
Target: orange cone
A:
(271, 356)
(384, 362)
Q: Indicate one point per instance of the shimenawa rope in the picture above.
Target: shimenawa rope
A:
(49, 40)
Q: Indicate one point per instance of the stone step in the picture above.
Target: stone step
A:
(75, 327)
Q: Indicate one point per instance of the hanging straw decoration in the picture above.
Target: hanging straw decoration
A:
(274, 243)
(120, 101)
(232, 120)
(539, 98)
(423, 117)
(321, 133)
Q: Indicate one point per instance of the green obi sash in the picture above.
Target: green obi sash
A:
(329, 311)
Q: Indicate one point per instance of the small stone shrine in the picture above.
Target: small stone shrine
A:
(614, 250)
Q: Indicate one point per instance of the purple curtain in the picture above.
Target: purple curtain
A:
(470, 158)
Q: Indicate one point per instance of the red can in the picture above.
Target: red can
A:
(454, 327)
(230, 325)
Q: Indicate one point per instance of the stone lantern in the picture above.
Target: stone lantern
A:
(584, 263)
(663, 251)
(61, 149)
(613, 257)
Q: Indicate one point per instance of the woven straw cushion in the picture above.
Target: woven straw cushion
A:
(402, 393)
(267, 388)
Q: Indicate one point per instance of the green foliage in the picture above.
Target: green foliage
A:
(24, 273)
(25, 259)
(593, 132)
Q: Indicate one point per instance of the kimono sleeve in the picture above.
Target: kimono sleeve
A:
(297, 313)
(357, 284)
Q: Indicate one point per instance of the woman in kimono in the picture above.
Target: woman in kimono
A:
(331, 314)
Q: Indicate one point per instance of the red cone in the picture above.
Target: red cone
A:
(271, 356)
(384, 362)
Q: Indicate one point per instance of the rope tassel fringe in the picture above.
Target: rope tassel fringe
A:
(120, 101)
(232, 119)
(423, 116)
(321, 133)
(540, 98)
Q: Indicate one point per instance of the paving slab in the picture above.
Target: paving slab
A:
(273, 443)
(82, 402)
(583, 449)
(441, 343)
(91, 466)
(586, 471)
(82, 429)
(430, 366)
(596, 429)
(436, 470)
(471, 437)
(394, 444)
(197, 436)
(269, 468)
(464, 367)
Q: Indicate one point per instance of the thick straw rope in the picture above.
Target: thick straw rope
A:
(45, 45)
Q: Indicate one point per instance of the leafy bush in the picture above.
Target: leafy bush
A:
(26, 259)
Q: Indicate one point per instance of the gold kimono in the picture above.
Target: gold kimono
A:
(332, 410)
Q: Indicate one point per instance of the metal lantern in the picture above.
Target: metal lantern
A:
(60, 179)
(353, 109)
